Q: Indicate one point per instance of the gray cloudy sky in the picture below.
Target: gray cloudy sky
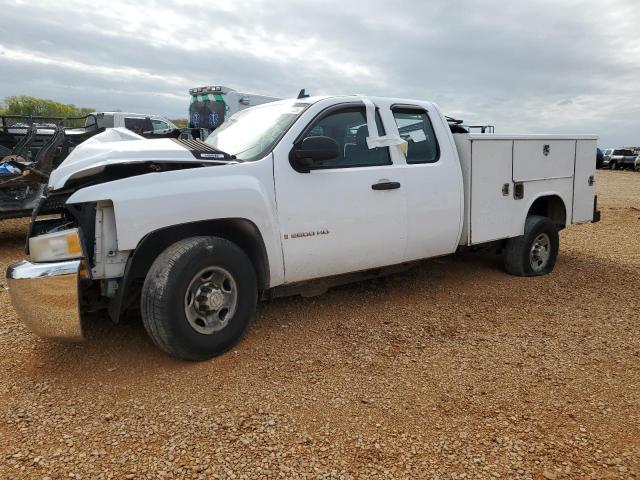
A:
(535, 66)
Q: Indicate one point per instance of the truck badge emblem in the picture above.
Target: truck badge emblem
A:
(324, 231)
(545, 150)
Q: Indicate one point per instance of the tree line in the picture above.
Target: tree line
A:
(23, 105)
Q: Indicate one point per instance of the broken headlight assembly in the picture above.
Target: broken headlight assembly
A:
(52, 247)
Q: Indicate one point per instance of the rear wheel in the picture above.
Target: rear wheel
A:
(535, 252)
(199, 297)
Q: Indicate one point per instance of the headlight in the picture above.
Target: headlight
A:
(63, 245)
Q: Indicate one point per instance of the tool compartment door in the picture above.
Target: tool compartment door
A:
(542, 159)
(493, 211)
(583, 183)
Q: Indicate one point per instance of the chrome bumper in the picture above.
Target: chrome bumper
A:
(45, 295)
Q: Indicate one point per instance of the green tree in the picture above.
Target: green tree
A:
(41, 107)
(180, 122)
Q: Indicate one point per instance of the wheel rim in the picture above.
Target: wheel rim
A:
(211, 300)
(540, 252)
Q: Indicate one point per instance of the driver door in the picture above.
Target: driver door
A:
(347, 214)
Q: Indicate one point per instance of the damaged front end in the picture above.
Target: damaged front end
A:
(47, 290)
(74, 264)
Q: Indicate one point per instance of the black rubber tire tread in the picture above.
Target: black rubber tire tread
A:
(163, 292)
(516, 251)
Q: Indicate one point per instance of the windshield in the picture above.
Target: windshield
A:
(253, 132)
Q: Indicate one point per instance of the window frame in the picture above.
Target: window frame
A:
(333, 109)
(419, 109)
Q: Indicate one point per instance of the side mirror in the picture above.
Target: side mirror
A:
(307, 154)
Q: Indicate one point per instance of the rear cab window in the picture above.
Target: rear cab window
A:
(414, 126)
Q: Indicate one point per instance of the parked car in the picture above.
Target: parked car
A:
(286, 197)
(619, 158)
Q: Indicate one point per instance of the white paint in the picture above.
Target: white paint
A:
(331, 221)
(489, 162)
(583, 193)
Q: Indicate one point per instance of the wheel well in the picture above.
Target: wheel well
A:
(237, 230)
(552, 207)
(240, 231)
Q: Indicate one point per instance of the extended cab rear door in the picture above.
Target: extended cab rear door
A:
(431, 180)
(344, 215)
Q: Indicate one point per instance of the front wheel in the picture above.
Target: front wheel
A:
(535, 252)
(199, 297)
(613, 166)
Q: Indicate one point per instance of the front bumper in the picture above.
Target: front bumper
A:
(45, 295)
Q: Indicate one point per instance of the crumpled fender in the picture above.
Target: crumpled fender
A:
(146, 203)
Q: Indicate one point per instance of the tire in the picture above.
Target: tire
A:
(186, 293)
(613, 166)
(525, 256)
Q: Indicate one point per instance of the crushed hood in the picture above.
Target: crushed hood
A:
(120, 146)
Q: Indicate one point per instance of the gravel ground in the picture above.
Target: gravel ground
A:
(451, 370)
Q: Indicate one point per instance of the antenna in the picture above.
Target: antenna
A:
(302, 94)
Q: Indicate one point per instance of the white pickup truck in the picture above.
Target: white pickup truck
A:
(287, 197)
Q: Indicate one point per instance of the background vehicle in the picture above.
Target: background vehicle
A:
(31, 148)
(619, 158)
(37, 145)
(287, 197)
(144, 124)
(599, 158)
(211, 105)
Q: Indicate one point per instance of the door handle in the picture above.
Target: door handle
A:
(385, 185)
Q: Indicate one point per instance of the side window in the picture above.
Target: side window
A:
(137, 125)
(348, 127)
(415, 127)
(159, 125)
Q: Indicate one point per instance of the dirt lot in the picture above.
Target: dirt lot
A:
(451, 370)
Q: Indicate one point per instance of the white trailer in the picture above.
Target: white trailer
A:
(285, 197)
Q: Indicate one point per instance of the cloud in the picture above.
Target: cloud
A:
(539, 66)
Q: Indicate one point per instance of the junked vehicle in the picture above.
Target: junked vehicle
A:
(31, 147)
(36, 145)
(287, 197)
